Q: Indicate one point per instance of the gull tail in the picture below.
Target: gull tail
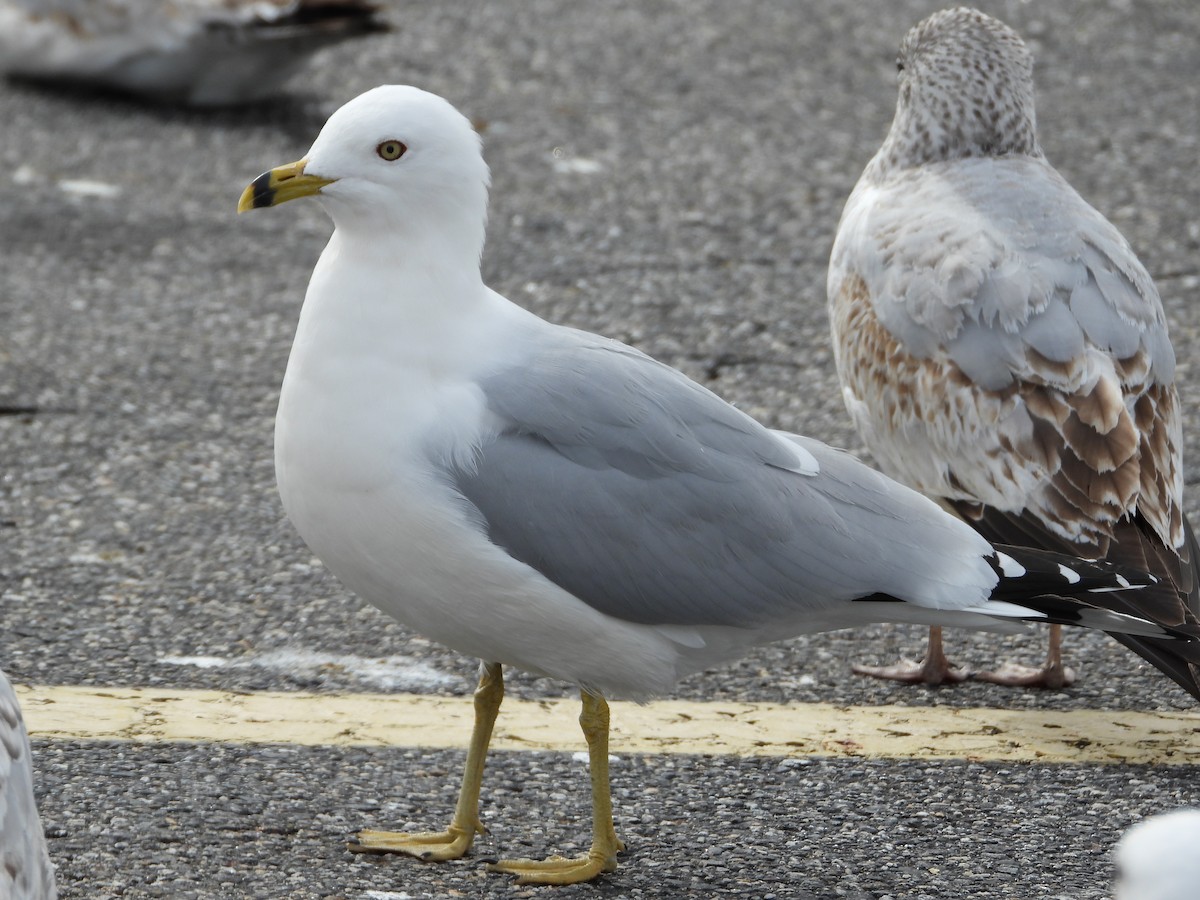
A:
(1179, 661)
(1174, 602)
(1054, 588)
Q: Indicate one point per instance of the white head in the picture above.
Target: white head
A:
(1159, 858)
(396, 164)
(966, 89)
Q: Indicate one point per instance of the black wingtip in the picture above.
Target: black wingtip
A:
(1035, 571)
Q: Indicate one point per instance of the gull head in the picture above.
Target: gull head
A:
(395, 159)
(1157, 860)
(966, 90)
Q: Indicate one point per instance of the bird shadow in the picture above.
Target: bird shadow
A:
(296, 114)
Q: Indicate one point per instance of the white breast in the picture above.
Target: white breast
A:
(369, 429)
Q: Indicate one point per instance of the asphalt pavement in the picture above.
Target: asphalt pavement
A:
(669, 174)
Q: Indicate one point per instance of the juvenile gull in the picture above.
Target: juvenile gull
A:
(1001, 348)
(195, 52)
(542, 497)
(25, 869)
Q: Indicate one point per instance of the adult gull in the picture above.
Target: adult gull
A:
(1000, 347)
(541, 497)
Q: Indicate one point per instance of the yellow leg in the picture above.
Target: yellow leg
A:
(456, 840)
(602, 857)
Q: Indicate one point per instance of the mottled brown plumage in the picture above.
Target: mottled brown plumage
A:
(999, 344)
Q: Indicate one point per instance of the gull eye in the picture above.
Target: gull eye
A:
(391, 150)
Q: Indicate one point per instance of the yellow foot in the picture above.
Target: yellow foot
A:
(431, 846)
(1050, 677)
(559, 869)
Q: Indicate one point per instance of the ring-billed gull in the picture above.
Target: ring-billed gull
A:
(1000, 347)
(197, 52)
(25, 869)
(542, 497)
(1157, 860)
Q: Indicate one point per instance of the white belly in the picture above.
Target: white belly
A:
(380, 512)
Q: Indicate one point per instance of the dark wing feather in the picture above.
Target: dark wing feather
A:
(1175, 602)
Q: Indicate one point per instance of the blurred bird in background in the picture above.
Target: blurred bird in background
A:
(189, 52)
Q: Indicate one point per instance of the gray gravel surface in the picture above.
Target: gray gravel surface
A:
(171, 821)
(670, 174)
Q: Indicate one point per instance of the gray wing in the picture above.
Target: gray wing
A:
(654, 501)
(25, 869)
(999, 342)
(987, 260)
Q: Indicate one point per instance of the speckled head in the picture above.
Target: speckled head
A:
(966, 89)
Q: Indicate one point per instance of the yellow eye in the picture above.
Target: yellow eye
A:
(391, 150)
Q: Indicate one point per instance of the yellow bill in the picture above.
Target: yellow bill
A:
(280, 185)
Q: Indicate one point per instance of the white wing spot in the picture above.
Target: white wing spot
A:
(1004, 609)
(1070, 574)
(1009, 566)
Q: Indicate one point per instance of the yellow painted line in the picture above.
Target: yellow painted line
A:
(733, 729)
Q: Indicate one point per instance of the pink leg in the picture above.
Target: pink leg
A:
(1053, 675)
(933, 669)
